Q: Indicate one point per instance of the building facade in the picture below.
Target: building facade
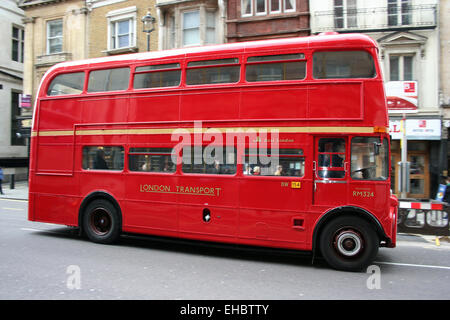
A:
(445, 69)
(185, 23)
(115, 27)
(264, 19)
(407, 32)
(13, 145)
(55, 32)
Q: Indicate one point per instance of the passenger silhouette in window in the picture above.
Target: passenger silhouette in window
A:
(99, 162)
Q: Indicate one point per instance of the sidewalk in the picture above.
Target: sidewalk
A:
(20, 192)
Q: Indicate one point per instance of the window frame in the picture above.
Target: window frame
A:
(212, 65)
(88, 78)
(120, 15)
(136, 71)
(20, 43)
(303, 58)
(87, 169)
(199, 27)
(131, 153)
(66, 95)
(401, 66)
(374, 65)
(249, 153)
(49, 38)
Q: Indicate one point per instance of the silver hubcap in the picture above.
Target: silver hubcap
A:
(348, 243)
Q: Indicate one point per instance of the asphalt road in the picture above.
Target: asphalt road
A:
(45, 261)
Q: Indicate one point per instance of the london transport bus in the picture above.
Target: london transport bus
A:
(274, 143)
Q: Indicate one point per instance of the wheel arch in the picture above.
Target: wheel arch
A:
(97, 195)
(346, 211)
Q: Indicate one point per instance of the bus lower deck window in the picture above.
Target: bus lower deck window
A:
(263, 162)
(103, 158)
(151, 160)
(209, 160)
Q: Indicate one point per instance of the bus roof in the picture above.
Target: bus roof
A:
(333, 40)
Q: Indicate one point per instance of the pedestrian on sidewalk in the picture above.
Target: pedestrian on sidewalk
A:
(1, 180)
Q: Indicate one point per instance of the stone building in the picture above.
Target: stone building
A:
(264, 19)
(13, 144)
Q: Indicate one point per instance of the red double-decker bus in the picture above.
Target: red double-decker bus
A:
(277, 143)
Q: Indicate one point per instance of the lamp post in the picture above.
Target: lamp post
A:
(148, 25)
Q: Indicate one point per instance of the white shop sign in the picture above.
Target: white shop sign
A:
(416, 129)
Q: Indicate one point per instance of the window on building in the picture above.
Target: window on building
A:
(54, 36)
(18, 39)
(275, 6)
(345, 14)
(16, 138)
(399, 12)
(122, 28)
(191, 28)
(210, 27)
(401, 68)
(263, 7)
(246, 8)
(122, 34)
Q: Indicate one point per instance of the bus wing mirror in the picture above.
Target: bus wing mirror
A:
(376, 148)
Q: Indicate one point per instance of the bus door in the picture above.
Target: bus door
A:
(330, 168)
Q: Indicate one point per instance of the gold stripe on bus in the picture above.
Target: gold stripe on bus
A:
(204, 130)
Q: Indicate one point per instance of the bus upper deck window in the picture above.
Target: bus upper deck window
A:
(157, 76)
(109, 80)
(65, 84)
(276, 67)
(213, 71)
(343, 64)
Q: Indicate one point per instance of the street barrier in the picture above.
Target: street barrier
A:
(428, 218)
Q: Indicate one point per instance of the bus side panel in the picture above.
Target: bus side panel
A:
(278, 102)
(341, 101)
(105, 109)
(154, 107)
(56, 201)
(210, 104)
(271, 209)
(151, 203)
(207, 206)
(59, 114)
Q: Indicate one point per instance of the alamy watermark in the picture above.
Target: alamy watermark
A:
(210, 146)
(73, 281)
(374, 280)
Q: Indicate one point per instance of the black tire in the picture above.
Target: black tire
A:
(349, 243)
(101, 222)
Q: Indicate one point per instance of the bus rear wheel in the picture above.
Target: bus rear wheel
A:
(349, 243)
(101, 222)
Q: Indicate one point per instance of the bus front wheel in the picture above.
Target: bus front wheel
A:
(349, 243)
(101, 222)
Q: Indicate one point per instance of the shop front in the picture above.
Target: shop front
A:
(424, 153)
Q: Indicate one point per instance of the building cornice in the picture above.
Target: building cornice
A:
(36, 3)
